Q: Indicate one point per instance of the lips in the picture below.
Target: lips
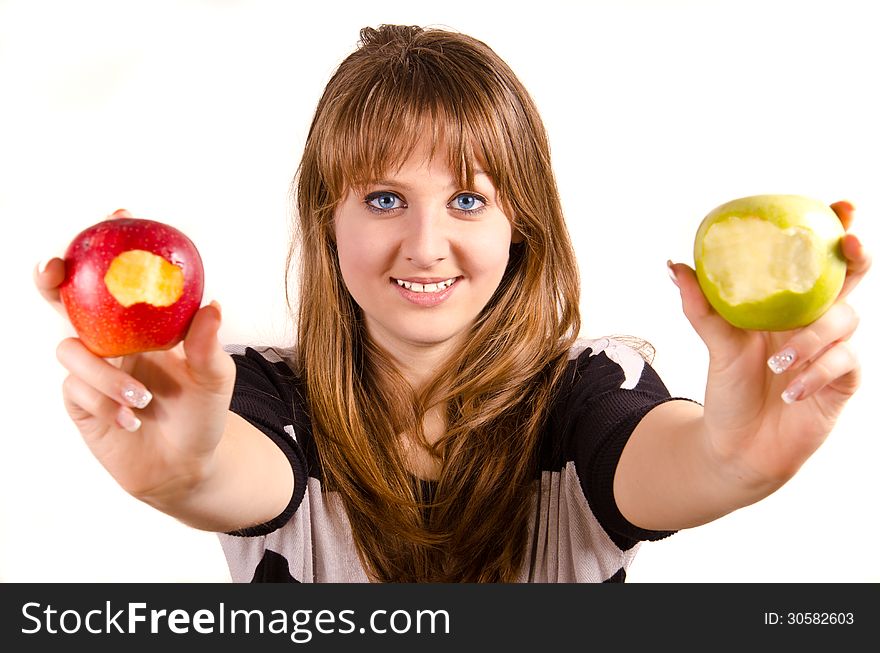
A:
(425, 292)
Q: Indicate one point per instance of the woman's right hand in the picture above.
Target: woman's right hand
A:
(154, 420)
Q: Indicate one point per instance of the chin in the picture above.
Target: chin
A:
(430, 339)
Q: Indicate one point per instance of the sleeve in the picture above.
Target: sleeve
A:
(265, 394)
(613, 389)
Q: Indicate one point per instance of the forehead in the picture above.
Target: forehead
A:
(428, 163)
(372, 151)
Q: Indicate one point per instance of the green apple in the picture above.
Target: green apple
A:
(770, 262)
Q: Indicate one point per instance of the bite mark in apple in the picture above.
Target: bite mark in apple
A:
(777, 259)
(138, 276)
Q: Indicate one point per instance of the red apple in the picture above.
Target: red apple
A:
(131, 285)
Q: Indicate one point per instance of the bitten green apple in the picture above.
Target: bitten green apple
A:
(770, 262)
(131, 285)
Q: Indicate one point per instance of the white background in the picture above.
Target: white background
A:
(194, 113)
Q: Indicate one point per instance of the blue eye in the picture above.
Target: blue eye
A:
(383, 201)
(468, 202)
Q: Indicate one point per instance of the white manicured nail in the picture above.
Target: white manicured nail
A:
(136, 396)
(127, 420)
(780, 362)
(671, 272)
(793, 392)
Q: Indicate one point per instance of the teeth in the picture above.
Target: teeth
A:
(427, 287)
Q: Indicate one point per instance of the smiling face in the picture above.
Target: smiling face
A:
(420, 255)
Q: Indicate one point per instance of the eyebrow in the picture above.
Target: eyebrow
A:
(407, 187)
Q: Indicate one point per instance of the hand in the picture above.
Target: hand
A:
(773, 397)
(152, 419)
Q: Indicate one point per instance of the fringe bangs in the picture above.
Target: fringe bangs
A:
(374, 128)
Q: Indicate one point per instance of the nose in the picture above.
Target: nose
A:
(426, 238)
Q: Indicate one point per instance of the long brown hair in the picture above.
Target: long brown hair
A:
(400, 85)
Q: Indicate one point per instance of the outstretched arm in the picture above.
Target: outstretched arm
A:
(176, 447)
(686, 465)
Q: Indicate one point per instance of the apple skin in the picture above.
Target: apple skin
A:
(786, 308)
(105, 326)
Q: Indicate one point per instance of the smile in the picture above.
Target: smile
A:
(438, 286)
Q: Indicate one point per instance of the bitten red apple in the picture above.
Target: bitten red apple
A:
(770, 262)
(131, 285)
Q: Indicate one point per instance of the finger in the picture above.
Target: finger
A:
(838, 366)
(858, 262)
(83, 402)
(845, 211)
(709, 325)
(102, 375)
(48, 276)
(120, 213)
(207, 361)
(808, 343)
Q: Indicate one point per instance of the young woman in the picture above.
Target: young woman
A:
(439, 419)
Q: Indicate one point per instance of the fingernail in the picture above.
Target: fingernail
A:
(216, 305)
(780, 362)
(127, 420)
(793, 392)
(136, 395)
(855, 239)
(42, 265)
(671, 271)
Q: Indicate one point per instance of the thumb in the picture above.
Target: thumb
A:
(713, 329)
(207, 361)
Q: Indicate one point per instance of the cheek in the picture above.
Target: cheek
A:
(361, 256)
(349, 257)
(489, 253)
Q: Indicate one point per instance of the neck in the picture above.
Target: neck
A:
(418, 363)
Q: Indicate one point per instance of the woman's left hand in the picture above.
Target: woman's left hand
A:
(773, 397)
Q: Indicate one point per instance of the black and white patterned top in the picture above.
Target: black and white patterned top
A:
(577, 534)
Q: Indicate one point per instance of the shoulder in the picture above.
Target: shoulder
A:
(608, 384)
(596, 355)
(606, 389)
(608, 364)
(609, 387)
(265, 370)
(282, 359)
(269, 394)
(268, 387)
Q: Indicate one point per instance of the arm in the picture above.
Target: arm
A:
(685, 465)
(669, 478)
(248, 482)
